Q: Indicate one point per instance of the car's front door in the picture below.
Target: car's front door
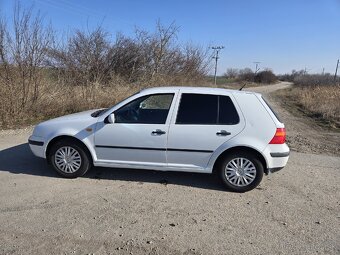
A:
(203, 123)
(139, 134)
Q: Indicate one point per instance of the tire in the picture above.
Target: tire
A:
(77, 162)
(241, 179)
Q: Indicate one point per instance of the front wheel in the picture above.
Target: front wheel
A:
(69, 159)
(241, 171)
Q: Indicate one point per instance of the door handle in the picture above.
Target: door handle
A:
(157, 132)
(223, 133)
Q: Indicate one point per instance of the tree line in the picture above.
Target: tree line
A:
(32, 54)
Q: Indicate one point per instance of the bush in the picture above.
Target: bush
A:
(246, 74)
(290, 77)
(266, 76)
(314, 80)
(231, 73)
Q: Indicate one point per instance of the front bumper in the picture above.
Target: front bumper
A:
(37, 146)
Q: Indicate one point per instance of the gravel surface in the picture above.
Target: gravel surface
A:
(119, 211)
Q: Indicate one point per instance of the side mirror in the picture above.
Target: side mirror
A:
(111, 118)
(142, 105)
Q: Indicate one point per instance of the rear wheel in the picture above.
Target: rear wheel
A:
(241, 171)
(69, 159)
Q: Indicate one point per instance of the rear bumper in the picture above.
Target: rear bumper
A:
(273, 170)
(277, 156)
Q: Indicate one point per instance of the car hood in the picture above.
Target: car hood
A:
(75, 121)
(75, 116)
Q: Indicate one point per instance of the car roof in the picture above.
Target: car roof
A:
(192, 90)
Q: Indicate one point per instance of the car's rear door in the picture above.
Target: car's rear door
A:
(203, 122)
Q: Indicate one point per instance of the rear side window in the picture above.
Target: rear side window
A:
(227, 114)
(199, 109)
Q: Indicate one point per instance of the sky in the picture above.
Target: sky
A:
(281, 35)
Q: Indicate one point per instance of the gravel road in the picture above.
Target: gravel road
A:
(119, 211)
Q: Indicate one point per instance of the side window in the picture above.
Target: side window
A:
(151, 109)
(227, 114)
(197, 109)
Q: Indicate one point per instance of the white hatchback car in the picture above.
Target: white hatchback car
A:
(233, 133)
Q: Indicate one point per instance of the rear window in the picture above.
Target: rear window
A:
(273, 111)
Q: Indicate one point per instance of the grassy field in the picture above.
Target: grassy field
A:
(320, 103)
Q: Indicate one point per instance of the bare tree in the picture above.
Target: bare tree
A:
(23, 52)
(232, 73)
(84, 58)
(30, 57)
(157, 47)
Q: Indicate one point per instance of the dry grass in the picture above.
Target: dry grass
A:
(318, 102)
(322, 101)
(56, 99)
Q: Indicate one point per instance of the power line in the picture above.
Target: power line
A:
(216, 57)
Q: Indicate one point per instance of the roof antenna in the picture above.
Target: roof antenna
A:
(243, 86)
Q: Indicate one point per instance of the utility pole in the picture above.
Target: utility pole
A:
(256, 66)
(323, 71)
(216, 57)
(336, 70)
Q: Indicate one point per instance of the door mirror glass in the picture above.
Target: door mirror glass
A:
(143, 105)
(111, 118)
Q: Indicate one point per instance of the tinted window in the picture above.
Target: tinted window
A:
(197, 109)
(206, 109)
(227, 114)
(152, 109)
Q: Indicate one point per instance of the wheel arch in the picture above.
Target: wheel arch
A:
(242, 149)
(68, 137)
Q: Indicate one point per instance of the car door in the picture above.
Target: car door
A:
(203, 123)
(139, 134)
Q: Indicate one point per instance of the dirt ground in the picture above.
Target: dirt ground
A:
(303, 134)
(119, 211)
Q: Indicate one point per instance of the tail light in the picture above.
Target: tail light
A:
(279, 137)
